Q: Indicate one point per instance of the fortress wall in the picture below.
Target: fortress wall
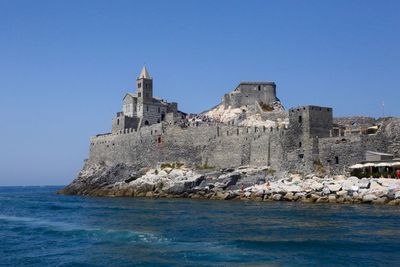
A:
(267, 149)
(391, 131)
(218, 146)
(349, 151)
(230, 146)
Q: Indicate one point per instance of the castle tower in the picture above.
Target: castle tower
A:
(144, 86)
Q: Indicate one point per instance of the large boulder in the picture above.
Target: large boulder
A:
(316, 186)
(334, 187)
(326, 191)
(349, 183)
(364, 183)
(369, 198)
(183, 184)
(293, 188)
(377, 189)
(226, 180)
(176, 173)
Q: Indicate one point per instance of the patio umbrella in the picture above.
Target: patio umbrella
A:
(383, 164)
(369, 165)
(356, 166)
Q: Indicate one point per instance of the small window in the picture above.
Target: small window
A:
(301, 156)
(139, 85)
(159, 139)
(159, 110)
(337, 160)
(300, 119)
(117, 121)
(139, 94)
(300, 144)
(147, 108)
(259, 88)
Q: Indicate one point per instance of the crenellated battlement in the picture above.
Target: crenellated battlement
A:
(149, 131)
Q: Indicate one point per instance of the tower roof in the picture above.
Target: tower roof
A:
(144, 74)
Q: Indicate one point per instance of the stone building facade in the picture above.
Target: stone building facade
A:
(142, 108)
(149, 131)
(248, 93)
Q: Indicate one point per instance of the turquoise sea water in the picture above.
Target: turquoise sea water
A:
(39, 228)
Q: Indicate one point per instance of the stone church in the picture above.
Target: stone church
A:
(142, 108)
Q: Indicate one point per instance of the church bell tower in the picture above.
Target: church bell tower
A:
(144, 86)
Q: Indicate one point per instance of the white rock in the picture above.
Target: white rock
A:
(354, 188)
(349, 182)
(334, 187)
(277, 197)
(363, 183)
(369, 198)
(292, 188)
(162, 173)
(397, 195)
(393, 187)
(326, 191)
(316, 186)
(387, 182)
(376, 186)
(176, 173)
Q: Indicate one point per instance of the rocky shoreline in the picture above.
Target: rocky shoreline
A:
(243, 183)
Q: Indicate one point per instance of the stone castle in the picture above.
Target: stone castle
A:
(249, 127)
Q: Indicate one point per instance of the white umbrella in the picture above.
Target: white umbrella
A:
(383, 164)
(357, 166)
(368, 165)
(395, 164)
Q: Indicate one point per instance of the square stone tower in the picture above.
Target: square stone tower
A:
(311, 121)
(144, 87)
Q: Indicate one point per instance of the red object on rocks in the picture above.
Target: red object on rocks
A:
(398, 174)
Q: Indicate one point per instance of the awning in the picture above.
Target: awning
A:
(357, 166)
(376, 164)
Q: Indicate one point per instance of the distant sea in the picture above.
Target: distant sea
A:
(39, 228)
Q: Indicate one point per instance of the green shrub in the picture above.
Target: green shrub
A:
(204, 166)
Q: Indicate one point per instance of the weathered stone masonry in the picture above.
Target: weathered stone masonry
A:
(147, 132)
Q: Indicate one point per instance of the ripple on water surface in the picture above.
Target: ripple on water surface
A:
(39, 228)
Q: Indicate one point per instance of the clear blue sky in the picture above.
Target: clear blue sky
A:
(65, 65)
